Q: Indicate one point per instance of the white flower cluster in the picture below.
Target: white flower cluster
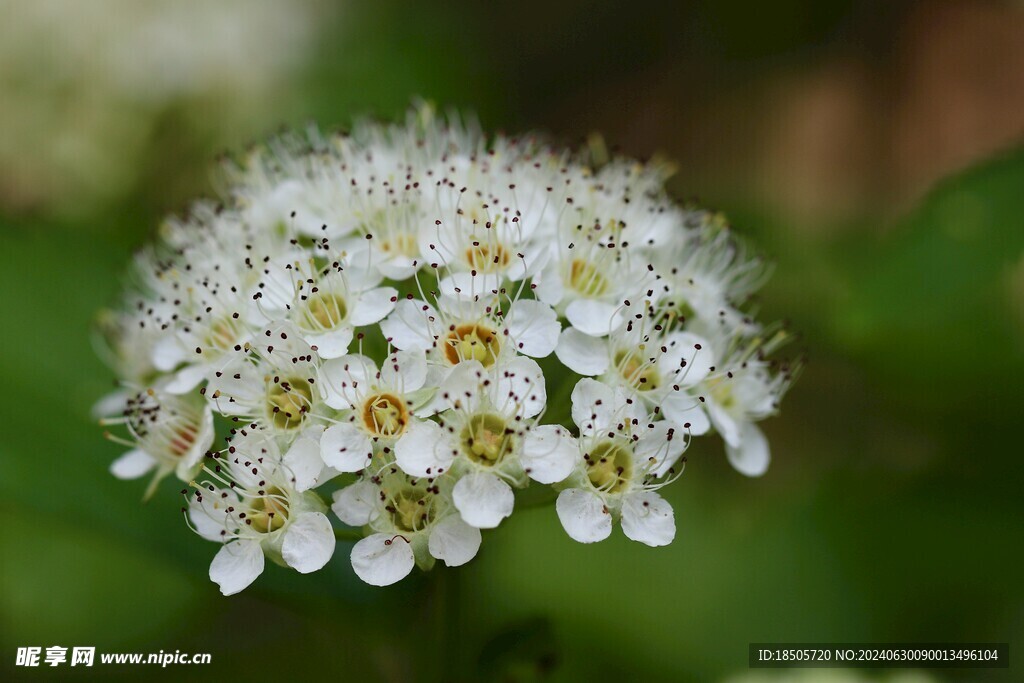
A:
(369, 310)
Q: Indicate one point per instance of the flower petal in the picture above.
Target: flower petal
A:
(581, 353)
(382, 559)
(648, 518)
(549, 454)
(373, 306)
(533, 327)
(661, 446)
(483, 499)
(404, 371)
(236, 565)
(453, 541)
(304, 462)
(520, 382)
(308, 542)
(593, 406)
(345, 448)
(424, 450)
(356, 505)
(752, 455)
(333, 343)
(583, 515)
(132, 464)
(592, 317)
(408, 326)
(686, 412)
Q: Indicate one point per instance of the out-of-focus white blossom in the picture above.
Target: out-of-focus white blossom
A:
(86, 85)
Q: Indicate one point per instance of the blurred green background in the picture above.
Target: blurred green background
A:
(872, 149)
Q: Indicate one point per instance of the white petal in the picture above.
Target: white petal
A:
(483, 499)
(398, 267)
(404, 371)
(346, 379)
(424, 450)
(533, 327)
(689, 357)
(186, 379)
(595, 318)
(583, 515)
(236, 565)
(661, 445)
(308, 542)
(686, 412)
(382, 559)
(304, 462)
(728, 426)
(168, 352)
(356, 505)
(345, 448)
(113, 404)
(453, 541)
(519, 388)
(549, 454)
(752, 455)
(648, 518)
(373, 306)
(132, 464)
(461, 388)
(593, 406)
(333, 343)
(408, 327)
(548, 286)
(581, 353)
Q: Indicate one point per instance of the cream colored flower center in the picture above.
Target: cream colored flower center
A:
(472, 342)
(269, 512)
(324, 311)
(637, 371)
(585, 278)
(410, 509)
(609, 467)
(385, 415)
(288, 401)
(486, 439)
(487, 258)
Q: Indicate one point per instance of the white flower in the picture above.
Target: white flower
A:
(488, 439)
(381, 407)
(705, 276)
(169, 434)
(622, 455)
(413, 522)
(745, 389)
(325, 303)
(654, 366)
(251, 504)
(472, 328)
(270, 383)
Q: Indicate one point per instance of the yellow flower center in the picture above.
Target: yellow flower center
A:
(487, 258)
(472, 342)
(609, 467)
(585, 278)
(288, 401)
(324, 311)
(385, 415)
(269, 512)
(410, 509)
(486, 439)
(637, 371)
